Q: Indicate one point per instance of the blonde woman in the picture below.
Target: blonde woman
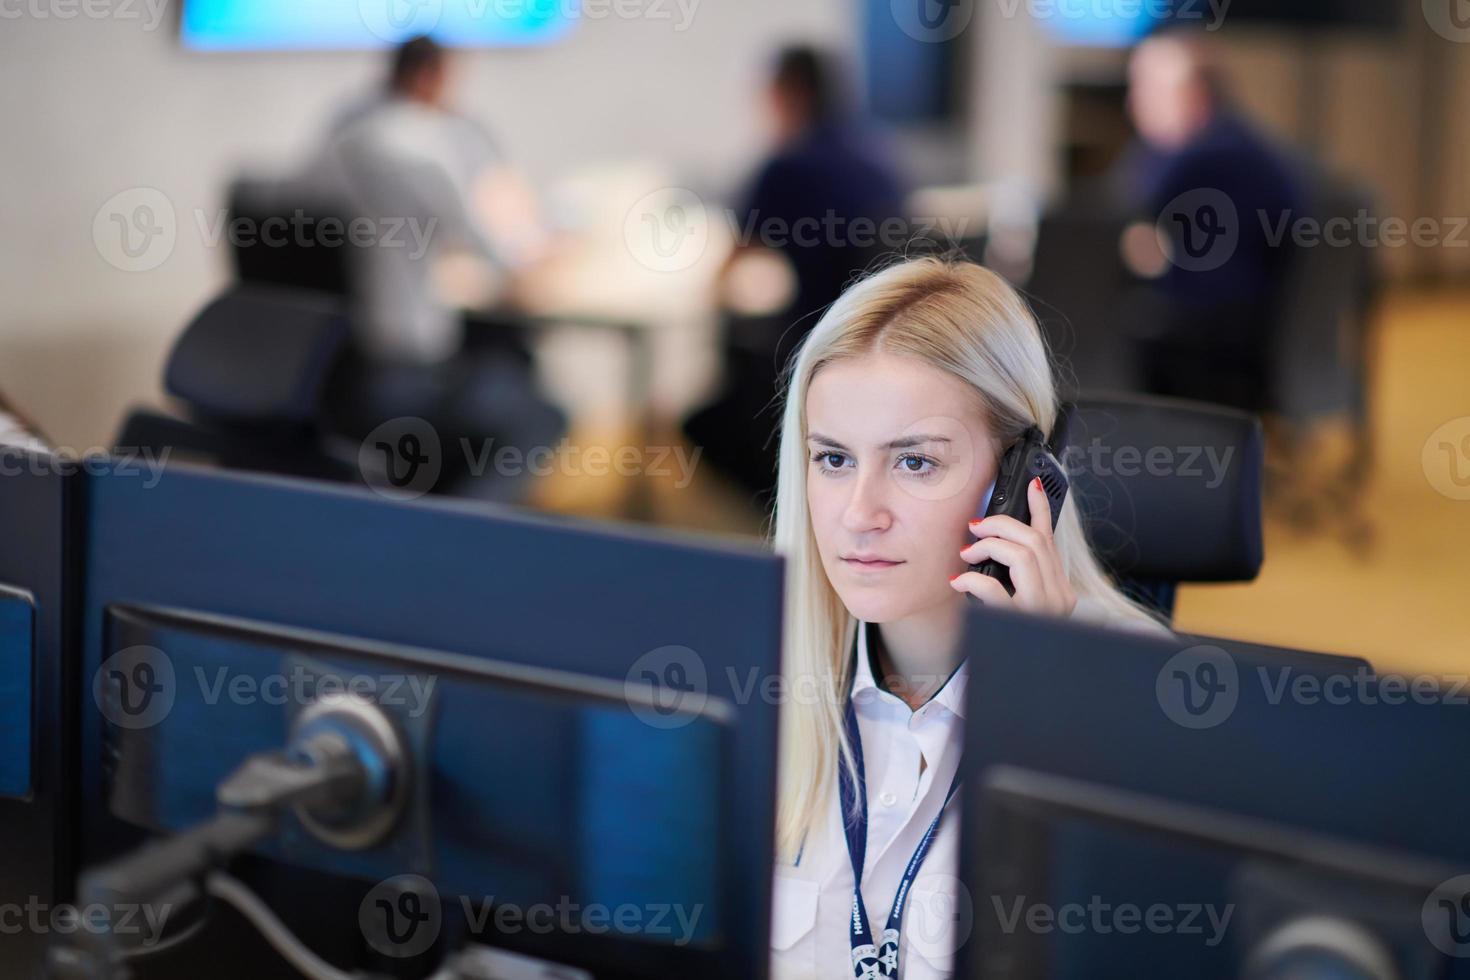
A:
(899, 406)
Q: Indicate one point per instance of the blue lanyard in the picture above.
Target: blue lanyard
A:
(870, 962)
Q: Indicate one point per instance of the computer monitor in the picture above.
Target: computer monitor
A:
(268, 25)
(1084, 880)
(597, 734)
(1311, 743)
(37, 752)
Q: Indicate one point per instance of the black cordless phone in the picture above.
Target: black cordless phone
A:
(1028, 459)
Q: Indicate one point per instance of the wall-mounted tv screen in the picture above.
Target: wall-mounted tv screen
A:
(254, 25)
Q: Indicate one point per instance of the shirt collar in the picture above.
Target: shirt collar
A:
(951, 695)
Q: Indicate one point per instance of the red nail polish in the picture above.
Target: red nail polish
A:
(953, 577)
(1037, 481)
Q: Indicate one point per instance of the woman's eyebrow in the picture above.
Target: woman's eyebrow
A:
(822, 440)
(904, 442)
(909, 442)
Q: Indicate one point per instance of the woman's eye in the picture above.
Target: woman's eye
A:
(916, 465)
(830, 461)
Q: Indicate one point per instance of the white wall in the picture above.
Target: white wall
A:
(92, 107)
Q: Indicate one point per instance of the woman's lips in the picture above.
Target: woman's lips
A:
(870, 564)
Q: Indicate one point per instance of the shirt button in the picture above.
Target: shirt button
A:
(888, 799)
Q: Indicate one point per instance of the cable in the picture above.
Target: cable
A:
(182, 936)
(248, 904)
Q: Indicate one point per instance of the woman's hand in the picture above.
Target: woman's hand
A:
(1028, 552)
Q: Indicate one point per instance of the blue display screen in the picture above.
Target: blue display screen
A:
(245, 25)
(1098, 23)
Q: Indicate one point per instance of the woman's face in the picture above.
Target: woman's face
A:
(899, 457)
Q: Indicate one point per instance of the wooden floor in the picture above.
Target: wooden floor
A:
(1383, 573)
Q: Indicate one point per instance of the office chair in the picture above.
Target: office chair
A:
(285, 261)
(1076, 289)
(1169, 490)
(250, 371)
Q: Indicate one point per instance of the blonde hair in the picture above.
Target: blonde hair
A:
(962, 319)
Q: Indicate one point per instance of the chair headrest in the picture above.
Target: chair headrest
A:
(259, 355)
(1167, 488)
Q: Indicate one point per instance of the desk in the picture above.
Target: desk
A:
(608, 279)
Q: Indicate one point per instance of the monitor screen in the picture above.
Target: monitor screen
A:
(246, 25)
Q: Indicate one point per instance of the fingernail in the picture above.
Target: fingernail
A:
(975, 522)
(953, 577)
(1037, 481)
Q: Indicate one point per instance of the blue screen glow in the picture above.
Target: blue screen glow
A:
(1097, 23)
(242, 25)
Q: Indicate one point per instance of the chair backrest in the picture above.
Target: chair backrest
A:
(258, 355)
(1169, 490)
(298, 237)
(1075, 289)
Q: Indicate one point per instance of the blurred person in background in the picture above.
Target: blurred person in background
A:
(407, 160)
(1210, 190)
(828, 200)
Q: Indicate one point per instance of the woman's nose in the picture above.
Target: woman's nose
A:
(867, 508)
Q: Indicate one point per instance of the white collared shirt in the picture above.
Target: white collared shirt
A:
(812, 900)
